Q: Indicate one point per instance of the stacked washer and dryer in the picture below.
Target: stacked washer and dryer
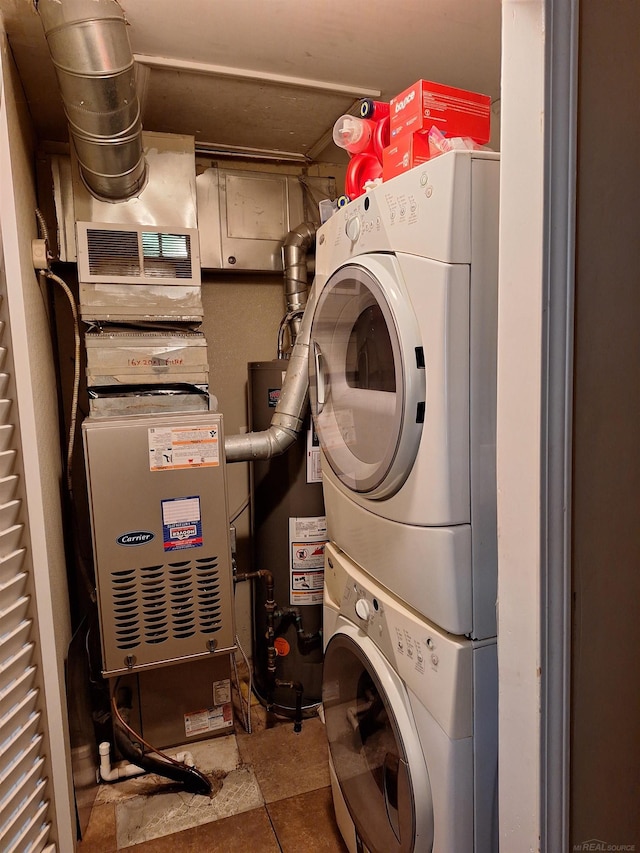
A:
(403, 394)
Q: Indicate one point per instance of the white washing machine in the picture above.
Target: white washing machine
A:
(403, 387)
(411, 720)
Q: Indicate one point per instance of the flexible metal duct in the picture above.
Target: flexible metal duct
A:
(294, 257)
(90, 50)
(289, 414)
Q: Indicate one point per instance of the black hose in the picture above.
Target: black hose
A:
(193, 780)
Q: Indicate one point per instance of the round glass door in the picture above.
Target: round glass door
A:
(367, 384)
(370, 740)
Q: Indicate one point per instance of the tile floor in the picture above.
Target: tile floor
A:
(275, 798)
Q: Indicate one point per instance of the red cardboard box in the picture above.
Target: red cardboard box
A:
(404, 153)
(455, 112)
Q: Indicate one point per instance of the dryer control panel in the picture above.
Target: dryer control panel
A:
(425, 211)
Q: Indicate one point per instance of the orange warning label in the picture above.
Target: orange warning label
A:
(281, 646)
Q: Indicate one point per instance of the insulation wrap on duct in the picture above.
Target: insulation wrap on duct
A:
(90, 49)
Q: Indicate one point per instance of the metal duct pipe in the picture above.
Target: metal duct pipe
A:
(289, 414)
(90, 50)
(294, 258)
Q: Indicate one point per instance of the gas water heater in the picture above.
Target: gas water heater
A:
(289, 534)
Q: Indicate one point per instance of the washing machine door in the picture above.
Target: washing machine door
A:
(367, 376)
(374, 747)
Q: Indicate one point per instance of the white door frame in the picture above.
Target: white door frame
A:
(535, 344)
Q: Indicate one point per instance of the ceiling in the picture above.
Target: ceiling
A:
(274, 75)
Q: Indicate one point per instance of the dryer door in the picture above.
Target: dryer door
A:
(374, 747)
(367, 382)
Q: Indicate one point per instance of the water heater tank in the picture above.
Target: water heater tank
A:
(289, 532)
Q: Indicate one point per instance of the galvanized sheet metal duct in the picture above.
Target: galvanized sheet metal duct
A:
(90, 50)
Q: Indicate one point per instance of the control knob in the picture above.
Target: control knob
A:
(363, 609)
(352, 228)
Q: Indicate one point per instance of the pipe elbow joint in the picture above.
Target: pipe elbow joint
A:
(281, 439)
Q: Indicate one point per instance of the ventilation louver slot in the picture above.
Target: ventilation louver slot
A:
(137, 255)
(166, 255)
(113, 253)
(158, 604)
(209, 599)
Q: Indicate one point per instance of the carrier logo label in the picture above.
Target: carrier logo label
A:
(135, 537)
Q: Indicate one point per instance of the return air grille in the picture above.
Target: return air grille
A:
(166, 255)
(113, 253)
(137, 255)
(158, 604)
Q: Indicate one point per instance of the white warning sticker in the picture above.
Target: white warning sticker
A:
(314, 465)
(172, 448)
(222, 691)
(208, 720)
(307, 538)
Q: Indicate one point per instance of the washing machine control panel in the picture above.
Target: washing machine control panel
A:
(436, 666)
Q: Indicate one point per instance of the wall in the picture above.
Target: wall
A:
(35, 393)
(605, 732)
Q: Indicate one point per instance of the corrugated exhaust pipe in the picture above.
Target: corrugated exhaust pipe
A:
(290, 411)
(294, 261)
(90, 50)
(289, 414)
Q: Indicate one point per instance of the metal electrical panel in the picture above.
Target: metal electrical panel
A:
(158, 504)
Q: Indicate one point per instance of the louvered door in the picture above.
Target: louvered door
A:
(24, 805)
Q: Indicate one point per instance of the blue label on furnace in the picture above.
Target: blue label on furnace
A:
(181, 523)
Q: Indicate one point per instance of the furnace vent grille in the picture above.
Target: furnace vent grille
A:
(159, 604)
(113, 253)
(137, 255)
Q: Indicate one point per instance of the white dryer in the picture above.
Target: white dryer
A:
(411, 720)
(403, 387)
